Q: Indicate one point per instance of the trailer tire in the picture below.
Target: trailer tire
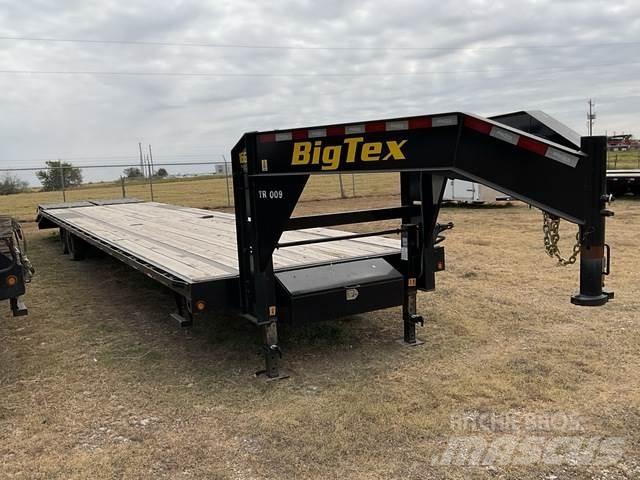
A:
(63, 241)
(77, 247)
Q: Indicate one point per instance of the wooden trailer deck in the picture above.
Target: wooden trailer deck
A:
(198, 245)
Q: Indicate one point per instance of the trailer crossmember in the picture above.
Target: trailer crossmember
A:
(337, 239)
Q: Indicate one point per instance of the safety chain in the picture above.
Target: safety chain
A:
(550, 227)
(18, 235)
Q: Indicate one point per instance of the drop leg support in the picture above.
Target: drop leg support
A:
(18, 307)
(410, 319)
(182, 315)
(272, 353)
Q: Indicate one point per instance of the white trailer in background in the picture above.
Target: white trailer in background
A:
(464, 191)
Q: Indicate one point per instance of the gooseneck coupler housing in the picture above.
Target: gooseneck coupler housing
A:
(270, 170)
(594, 252)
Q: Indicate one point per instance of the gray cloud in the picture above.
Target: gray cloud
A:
(49, 116)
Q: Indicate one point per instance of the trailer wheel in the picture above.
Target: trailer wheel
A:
(77, 247)
(63, 241)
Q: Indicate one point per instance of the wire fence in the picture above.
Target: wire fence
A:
(194, 184)
(198, 184)
(624, 160)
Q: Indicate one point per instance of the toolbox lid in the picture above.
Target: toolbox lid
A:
(338, 275)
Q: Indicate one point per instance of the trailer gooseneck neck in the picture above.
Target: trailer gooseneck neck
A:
(270, 170)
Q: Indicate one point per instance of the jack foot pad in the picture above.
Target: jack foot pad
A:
(262, 375)
(410, 344)
(182, 321)
(590, 300)
(18, 308)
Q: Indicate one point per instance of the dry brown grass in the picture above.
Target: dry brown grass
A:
(97, 383)
(193, 192)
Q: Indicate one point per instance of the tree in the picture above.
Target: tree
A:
(133, 172)
(58, 172)
(162, 173)
(11, 184)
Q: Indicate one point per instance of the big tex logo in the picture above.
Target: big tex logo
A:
(353, 149)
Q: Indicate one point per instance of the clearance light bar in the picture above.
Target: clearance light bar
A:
(360, 128)
(503, 134)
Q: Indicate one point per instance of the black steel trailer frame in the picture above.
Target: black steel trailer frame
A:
(271, 169)
(619, 182)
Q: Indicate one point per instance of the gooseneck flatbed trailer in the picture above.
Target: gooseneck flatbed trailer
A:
(621, 182)
(272, 266)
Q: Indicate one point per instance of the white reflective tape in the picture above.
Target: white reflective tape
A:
(317, 133)
(349, 129)
(397, 125)
(562, 157)
(284, 136)
(505, 135)
(444, 121)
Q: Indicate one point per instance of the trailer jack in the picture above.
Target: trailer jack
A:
(182, 315)
(272, 354)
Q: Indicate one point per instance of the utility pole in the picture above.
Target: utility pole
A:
(151, 160)
(591, 116)
(141, 159)
(150, 177)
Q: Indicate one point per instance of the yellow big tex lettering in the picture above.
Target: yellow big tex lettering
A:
(353, 149)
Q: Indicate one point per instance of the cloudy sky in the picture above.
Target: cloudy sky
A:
(87, 80)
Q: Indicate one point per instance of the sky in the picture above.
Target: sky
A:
(86, 80)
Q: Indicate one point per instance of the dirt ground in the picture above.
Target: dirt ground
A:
(98, 383)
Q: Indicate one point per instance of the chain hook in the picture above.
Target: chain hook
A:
(550, 227)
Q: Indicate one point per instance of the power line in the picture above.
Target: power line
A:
(307, 75)
(119, 165)
(302, 47)
(97, 159)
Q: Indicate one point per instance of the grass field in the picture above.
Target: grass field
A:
(209, 192)
(98, 383)
(212, 192)
(623, 160)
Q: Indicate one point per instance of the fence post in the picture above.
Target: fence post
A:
(61, 170)
(226, 178)
(150, 179)
(124, 192)
(151, 171)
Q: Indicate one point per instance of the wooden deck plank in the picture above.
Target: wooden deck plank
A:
(200, 245)
(215, 245)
